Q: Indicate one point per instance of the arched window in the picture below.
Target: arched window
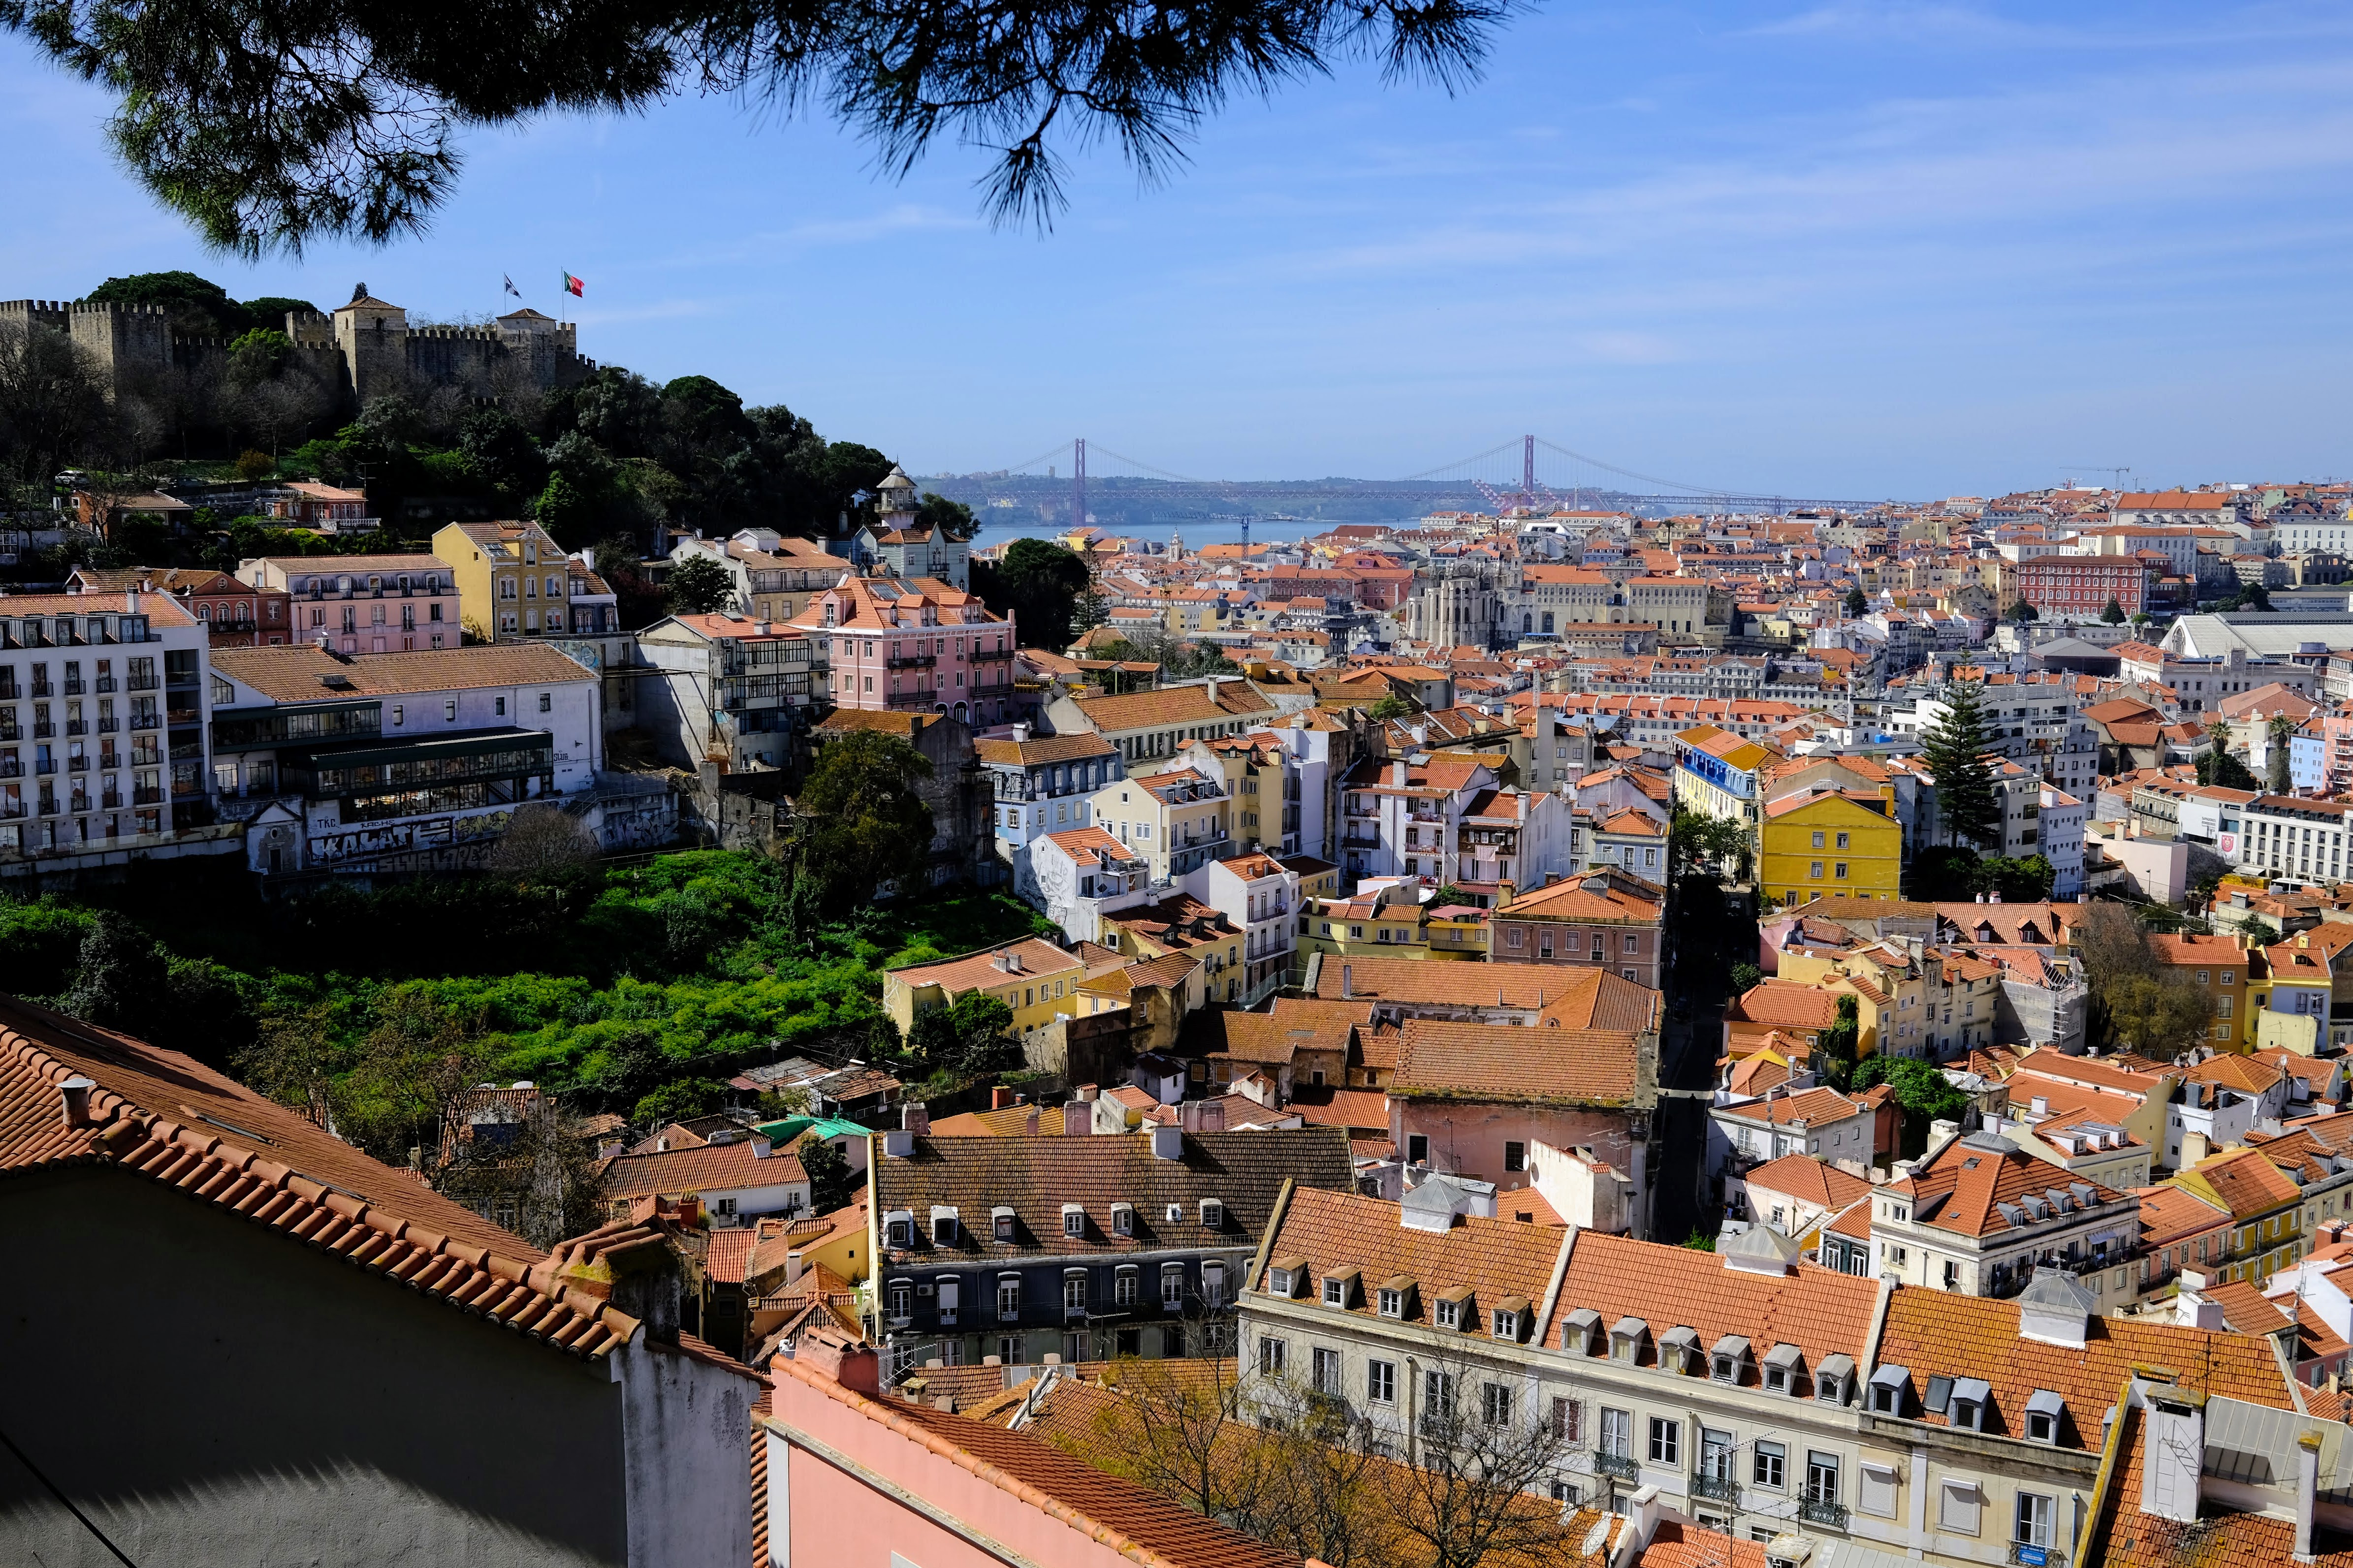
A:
(1527, 623)
(1547, 624)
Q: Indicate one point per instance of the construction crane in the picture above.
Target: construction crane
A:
(2117, 470)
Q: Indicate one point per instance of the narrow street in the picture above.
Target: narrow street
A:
(1687, 1051)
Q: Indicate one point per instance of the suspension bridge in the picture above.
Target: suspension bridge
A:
(1075, 480)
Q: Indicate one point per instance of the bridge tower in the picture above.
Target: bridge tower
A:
(1078, 482)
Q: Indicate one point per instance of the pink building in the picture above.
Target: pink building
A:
(911, 645)
(858, 1478)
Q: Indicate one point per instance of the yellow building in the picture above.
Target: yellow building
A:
(1839, 842)
(1179, 821)
(1032, 977)
(513, 579)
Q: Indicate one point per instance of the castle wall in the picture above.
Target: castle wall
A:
(133, 342)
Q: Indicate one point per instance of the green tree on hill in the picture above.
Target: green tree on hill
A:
(1954, 748)
(867, 824)
(1039, 582)
(2115, 613)
(699, 586)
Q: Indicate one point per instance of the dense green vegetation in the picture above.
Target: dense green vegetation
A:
(616, 983)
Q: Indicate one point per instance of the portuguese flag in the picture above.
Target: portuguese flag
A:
(573, 286)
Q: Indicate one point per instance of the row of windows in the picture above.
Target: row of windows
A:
(946, 1292)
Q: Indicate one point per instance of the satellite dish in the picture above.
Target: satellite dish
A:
(1596, 1538)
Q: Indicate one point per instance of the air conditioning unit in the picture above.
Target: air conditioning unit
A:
(923, 1289)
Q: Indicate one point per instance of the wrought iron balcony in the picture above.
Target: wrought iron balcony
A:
(1822, 1511)
(1619, 1464)
(1722, 1489)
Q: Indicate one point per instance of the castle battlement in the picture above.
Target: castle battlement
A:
(134, 341)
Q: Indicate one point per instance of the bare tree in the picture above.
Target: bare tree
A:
(1475, 1467)
(52, 401)
(542, 843)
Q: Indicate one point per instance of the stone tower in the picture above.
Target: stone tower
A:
(894, 501)
(374, 336)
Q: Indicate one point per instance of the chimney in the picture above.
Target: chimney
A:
(916, 1118)
(1167, 1142)
(1020, 733)
(761, 1147)
(2307, 1483)
(1078, 1119)
(2173, 1453)
(1089, 1091)
(1012, 961)
(849, 1363)
(1030, 1122)
(1212, 684)
(1213, 1116)
(793, 1263)
(898, 1143)
(1396, 773)
(999, 1098)
(75, 1092)
(648, 1286)
(2193, 1308)
(1347, 982)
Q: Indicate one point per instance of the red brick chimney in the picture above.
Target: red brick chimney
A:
(849, 1363)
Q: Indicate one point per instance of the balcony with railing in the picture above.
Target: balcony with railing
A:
(910, 661)
(1622, 1466)
(1717, 1489)
(43, 730)
(1819, 1510)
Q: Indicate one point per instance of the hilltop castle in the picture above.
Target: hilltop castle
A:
(366, 349)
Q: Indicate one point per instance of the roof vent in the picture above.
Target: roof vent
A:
(337, 682)
(75, 1092)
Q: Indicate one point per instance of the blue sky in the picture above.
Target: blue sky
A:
(1852, 249)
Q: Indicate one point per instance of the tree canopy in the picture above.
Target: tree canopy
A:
(1037, 581)
(1954, 747)
(274, 125)
(867, 824)
(699, 586)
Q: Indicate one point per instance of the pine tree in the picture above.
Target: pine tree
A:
(2115, 613)
(1954, 749)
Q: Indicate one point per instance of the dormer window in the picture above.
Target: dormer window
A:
(1396, 1298)
(1213, 1215)
(1577, 1331)
(1782, 1366)
(1728, 1362)
(1506, 1322)
(1831, 1378)
(1887, 1386)
(1123, 1219)
(899, 1228)
(1628, 1335)
(1000, 1222)
(1970, 1398)
(1074, 1220)
(1679, 1350)
(2043, 1409)
(1340, 1288)
(943, 1227)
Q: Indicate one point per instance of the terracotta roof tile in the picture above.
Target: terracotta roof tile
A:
(163, 1116)
(1496, 1258)
(1510, 1063)
(1035, 1177)
(1937, 1333)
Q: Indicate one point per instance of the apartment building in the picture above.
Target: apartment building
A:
(775, 576)
(513, 579)
(888, 643)
(1980, 1216)
(1041, 784)
(1084, 1247)
(234, 612)
(398, 760)
(1259, 896)
(1177, 821)
(2289, 836)
(721, 688)
(365, 604)
(1758, 1395)
(1406, 816)
(104, 736)
(1161, 723)
(1036, 981)
(1606, 918)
